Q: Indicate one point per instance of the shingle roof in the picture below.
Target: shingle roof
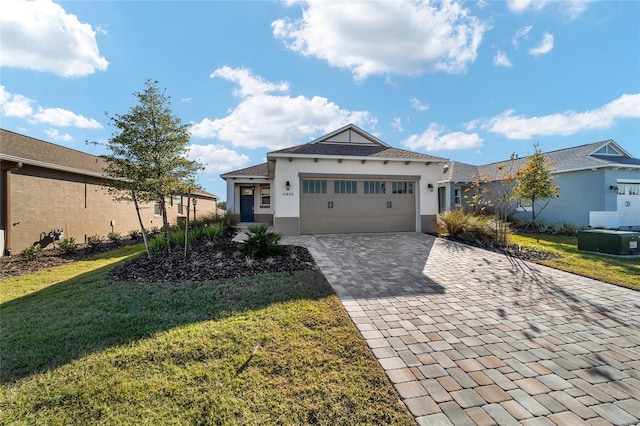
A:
(259, 170)
(349, 150)
(563, 160)
(36, 150)
(45, 154)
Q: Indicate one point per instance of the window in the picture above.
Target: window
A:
(628, 189)
(265, 195)
(314, 186)
(402, 187)
(457, 198)
(608, 150)
(180, 207)
(345, 187)
(374, 187)
(524, 206)
(156, 208)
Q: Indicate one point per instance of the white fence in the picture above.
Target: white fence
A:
(615, 220)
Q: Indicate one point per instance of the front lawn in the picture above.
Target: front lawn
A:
(615, 270)
(79, 348)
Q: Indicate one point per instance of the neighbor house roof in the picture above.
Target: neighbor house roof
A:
(27, 150)
(583, 157)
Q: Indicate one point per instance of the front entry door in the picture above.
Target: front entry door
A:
(246, 204)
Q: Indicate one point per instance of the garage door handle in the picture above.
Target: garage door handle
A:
(389, 204)
(330, 204)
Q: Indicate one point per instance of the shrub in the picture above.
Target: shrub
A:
(134, 234)
(480, 230)
(94, 240)
(32, 253)
(212, 231)
(454, 222)
(114, 236)
(156, 244)
(261, 242)
(176, 236)
(67, 245)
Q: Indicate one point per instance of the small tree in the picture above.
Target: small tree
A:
(495, 191)
(148, 154)
(535, 182)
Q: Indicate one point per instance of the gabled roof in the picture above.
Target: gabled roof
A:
(583, 157)
(351, 141)
(259, 170)
(28, 150)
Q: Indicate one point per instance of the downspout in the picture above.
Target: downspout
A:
(7, 205)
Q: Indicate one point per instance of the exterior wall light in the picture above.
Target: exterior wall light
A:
(287, 185)
(430, 186)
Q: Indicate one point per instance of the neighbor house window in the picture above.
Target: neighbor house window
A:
(457, 198)
(180, 207)
(314, 186)
(374, 187)
(345, 187)
(402, 187)
(156, 208)
(524, 206)
(265, 195)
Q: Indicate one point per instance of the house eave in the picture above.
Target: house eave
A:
(51, 166)
(290, 156)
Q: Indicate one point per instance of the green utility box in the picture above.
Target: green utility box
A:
(610, 242)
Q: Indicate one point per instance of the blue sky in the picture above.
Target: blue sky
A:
(471, 81)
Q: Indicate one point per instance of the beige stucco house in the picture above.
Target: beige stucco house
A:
(345, 181)
(45, 187)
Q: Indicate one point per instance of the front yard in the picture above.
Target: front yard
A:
(622, 271)
(80, 348)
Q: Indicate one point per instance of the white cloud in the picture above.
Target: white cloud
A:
(57, 136)
(382, 37)
(571, 8)
(545, 45)
(501, 59)
(186, 100)
(418, 104)
(522, 5)
(41, 36)
(265, 120)
(432, 139)
(217, 158)
(520, 33)
(64, 118)
(248, 83)
(14, 105)
(567, 123)
(397, 124)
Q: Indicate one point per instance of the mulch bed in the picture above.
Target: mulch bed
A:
(206, 260)
(212, 260)
(513, 250)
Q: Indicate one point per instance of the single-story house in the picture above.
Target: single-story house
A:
(345, 181)
(598, 186)
(49, 189)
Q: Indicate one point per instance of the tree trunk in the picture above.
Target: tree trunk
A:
(165, 225)
(186, 227)
(144, 231)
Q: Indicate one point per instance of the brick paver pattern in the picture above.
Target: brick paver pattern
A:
(469, 336)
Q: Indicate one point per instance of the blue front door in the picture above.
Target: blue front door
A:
(246, 204)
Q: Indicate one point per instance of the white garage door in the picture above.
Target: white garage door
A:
(330, 206)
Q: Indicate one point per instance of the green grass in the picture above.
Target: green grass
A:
(272, 349)
(614, 270)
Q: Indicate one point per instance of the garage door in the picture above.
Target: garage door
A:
(343, 206)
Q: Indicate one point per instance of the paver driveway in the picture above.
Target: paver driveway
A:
(471, 336)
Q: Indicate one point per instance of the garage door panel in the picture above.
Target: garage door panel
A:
(357, 212)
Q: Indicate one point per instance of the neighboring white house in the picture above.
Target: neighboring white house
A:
(345, 181)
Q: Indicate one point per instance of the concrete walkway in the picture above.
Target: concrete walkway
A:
(468, 336)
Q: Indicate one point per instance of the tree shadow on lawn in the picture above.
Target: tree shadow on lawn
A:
(90, 313)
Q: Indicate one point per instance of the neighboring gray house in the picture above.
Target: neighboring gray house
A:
(598, 185)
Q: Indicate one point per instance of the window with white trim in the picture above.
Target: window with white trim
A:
(457, 197)
(265, 195)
